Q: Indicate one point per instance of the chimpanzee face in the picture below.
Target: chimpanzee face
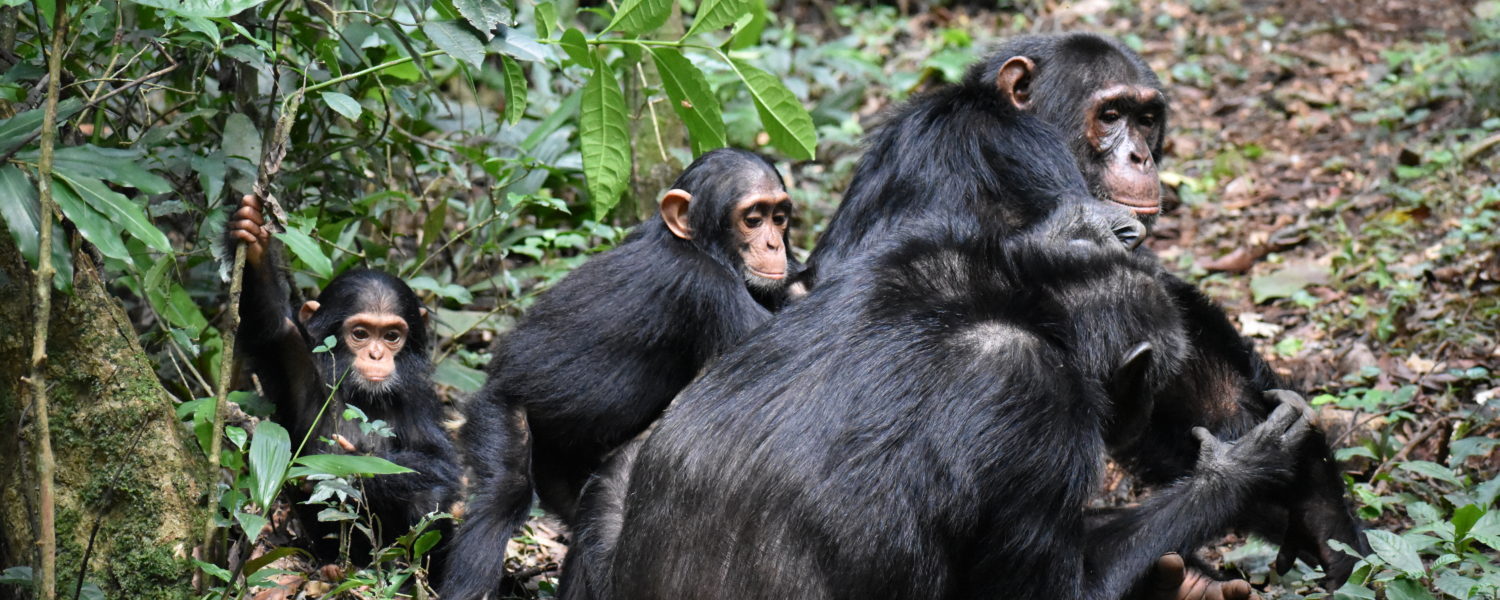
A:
(1121, 122)
(760, 220)
(374, 339)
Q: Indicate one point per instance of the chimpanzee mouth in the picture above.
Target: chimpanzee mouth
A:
(764, 275)
(1148, 207)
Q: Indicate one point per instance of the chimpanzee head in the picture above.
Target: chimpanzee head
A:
(381, 329)
(732, 205)
(1105, 99)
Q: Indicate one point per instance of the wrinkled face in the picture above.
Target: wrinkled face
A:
(374, 339)
(760, 220)
(1121, 123)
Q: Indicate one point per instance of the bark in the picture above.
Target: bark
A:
(126, 474)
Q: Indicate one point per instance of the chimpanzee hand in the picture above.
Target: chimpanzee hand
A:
(1170, 579)
(248, 225)
(1267, 452)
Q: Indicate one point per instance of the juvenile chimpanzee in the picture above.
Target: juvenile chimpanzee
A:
(380, 363)
(928, 424)
(922, 168)
(599, 357)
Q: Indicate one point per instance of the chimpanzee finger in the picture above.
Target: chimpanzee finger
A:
(246, 236)
(250, 213)
(1238, 589)
(1166, 577)
(1293, 398)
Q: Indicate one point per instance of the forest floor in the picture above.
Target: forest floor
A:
(1334, 175)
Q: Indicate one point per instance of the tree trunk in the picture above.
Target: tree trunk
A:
(127, 478)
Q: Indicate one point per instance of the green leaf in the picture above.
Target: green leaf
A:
(270, 453)
(201, 8)
(344, 105)
(1406, 589)
(747, 28)
(603, 129)
(341, 465)
(784, 117)
(514, 86)
(640, 16)
(204, 26)
(1395, 551)
(451, 291)
(692, 98)
(425, 543)
(546, 19)
(251, 524)
(21, 211)
(182, 312)
(119, 209)
(1430, 469)
(454, 374)
(110, 164)
(484, 15)
(577, 47)
(99, 230)
(1464, 519)
(17, 129)
(259, 562)
(454, 39)
(306, 249)
(716, 14)
(219, 573)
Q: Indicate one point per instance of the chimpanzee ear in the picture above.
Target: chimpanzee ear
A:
(1128, 381)
(308, 308)
(1014, 81)
(674, 212)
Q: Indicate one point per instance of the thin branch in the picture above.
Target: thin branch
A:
(45, 576)
(93, 103)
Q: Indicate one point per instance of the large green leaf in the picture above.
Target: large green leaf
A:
(514, 85)
(201, 8)
(640, 16)
(20, 209)
(19, 128)
(270, 453)
(347, 464)
(716, 14)
(1395, 551)
(344, 105)
(110, 164)
(99, 230)
(577, 47)
(454, 374)
(484, 15)
(604, 132)
(546, 19)
(692, 98)
(785, 119)
(457, 41)
(308, 250)
(119, 209)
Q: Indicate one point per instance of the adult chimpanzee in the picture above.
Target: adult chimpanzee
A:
(930, 424)
(917, 175)
(380, 363)
(602, 354)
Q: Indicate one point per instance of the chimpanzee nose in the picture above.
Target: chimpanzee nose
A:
(1141, 158)
(1130, 233)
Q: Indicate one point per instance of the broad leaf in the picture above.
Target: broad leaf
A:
(341, 465)
(716, 14)
(17, 129)
(604, 132)
(546, 19)
(1395, 551)
(577, 47)
(344, 105)
(484, 15)
(119, 209)
(98, 229)
(457, 41)
(1406, 589)
(514, 85)
(110, 164)
(201, 8)
(20, 210)
(270, 453)
(251, 524)
(454, 374)
(783, 116)
(259, 562)
(640, 16)
(692, 98)
(307, 249)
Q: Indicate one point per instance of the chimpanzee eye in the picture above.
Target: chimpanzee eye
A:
(359, 334)
(779, 220)
(1148, 119)
(392, 336)
(753, 222)
(1110, 116)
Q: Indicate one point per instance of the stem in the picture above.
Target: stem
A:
(382, 66)
(45, 576)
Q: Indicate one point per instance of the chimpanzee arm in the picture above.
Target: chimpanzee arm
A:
(1186, 515)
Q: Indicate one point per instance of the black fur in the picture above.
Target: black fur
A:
(278, 349)
(599, 357)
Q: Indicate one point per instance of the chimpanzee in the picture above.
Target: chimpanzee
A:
(380, 363)
(1112, 111)
(930, 423)
(599, 357)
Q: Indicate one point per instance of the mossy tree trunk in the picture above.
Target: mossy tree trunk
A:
(126, 474)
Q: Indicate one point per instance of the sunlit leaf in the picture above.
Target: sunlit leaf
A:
(343, 104)
(1395, 551)
(640, 16)
(484, 15)
(514, 86)
(457, 41)
(577, 47)
(546, 19)
(783, 116)
(340, 465)
(716, 14)
(692, 99)
(604, 133)
(308, 250)
(270, 453)
(201, 8)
